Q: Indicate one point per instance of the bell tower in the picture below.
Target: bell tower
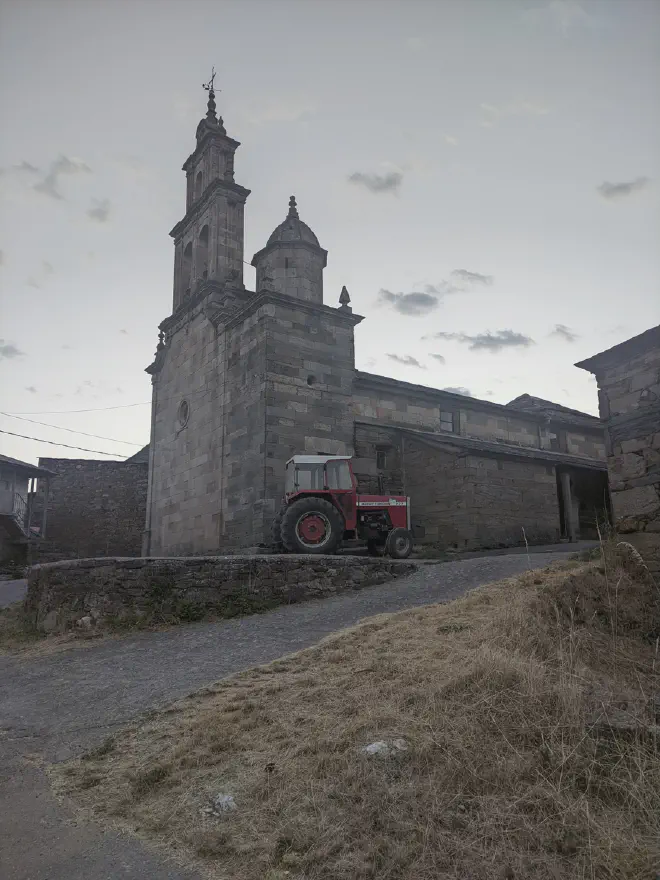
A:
(208, 241)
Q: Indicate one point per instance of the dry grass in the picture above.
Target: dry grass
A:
(530, 712)
(18, 635)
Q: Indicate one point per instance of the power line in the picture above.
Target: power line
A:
(52, 443)
(70, 430)
(54, 412)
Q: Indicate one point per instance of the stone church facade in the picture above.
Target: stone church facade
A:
(244, 379)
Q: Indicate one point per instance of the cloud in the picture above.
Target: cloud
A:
(458, 389)
(422, 302)
(32, 282)
(564, 332)
(563, 15)
(63, 165)
(469, 278)
(100, 210)
(2, 258)
(406, 360)
(124, 332)
(8, 350)
(47, 267)
(67, 347)
(416, 303)
(487, 341)
(450, 139)
(621, 190)
(378, 183)
(494, 114)
(26, 167)
(439, 358)
(31, 389)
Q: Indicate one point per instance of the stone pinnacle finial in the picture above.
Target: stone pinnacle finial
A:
(293, 210)
(344, 300)
(161, 342)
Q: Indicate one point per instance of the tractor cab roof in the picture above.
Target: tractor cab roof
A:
(316, 459)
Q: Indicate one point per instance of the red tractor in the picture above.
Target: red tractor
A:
(322, 508)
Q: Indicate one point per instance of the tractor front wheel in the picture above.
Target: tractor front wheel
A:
(399, 543)
(312, 525)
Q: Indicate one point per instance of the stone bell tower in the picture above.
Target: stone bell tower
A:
(208, 241)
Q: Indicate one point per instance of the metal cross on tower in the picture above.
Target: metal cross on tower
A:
(209, 85)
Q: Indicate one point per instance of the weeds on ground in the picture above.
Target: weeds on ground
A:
(529, 709)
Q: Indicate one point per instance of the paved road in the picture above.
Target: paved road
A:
(56, 706)
(12, 591)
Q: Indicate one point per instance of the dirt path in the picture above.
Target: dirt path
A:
(56, 706)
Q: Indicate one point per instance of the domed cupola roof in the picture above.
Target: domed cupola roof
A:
(293, 229)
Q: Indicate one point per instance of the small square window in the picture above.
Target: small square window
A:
(447, 421)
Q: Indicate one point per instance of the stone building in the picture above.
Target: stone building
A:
(94, 508)
(628, 377)
(244, 379)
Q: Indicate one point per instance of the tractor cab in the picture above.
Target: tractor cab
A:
(318, 473)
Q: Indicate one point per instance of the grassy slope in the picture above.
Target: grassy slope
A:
(529, 713)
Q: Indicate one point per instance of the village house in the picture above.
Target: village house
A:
(628, 377)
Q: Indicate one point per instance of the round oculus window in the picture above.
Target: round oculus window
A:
(183, 414)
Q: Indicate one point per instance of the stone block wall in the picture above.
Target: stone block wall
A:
(470, 501)
(458, 498)
(185, 492)
(309, 380)
(629, 397)
(95, 508)
(107, 592)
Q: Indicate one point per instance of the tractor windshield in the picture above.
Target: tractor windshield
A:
(309, 478)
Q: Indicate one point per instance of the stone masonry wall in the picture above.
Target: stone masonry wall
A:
(187, 454)
(470, 501)
(309, 380)
(405, 407)
(460, 499)
(629, 394)
(95, 508)
(100, 593)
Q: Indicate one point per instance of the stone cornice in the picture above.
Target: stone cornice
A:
(622, 352)
(211, 297)
(264, 297)
(307, 245)
(200, 205)
(221, 139)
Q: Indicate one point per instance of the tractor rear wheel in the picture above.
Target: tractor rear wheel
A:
(399, 543)
(277, 545)
(312, 525)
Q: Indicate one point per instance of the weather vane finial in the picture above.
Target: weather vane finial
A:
(209, 85)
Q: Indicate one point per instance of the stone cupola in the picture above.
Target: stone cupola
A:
(293, 260)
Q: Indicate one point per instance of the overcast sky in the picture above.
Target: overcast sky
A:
(484, 176)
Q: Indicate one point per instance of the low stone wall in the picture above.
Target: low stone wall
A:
(114, 591)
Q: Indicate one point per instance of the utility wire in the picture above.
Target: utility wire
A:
(71, 430)
(52, 443)
(54, 412)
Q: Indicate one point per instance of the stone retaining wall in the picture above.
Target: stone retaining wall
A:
(112, 591)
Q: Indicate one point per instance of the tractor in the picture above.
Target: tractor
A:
(322, 509)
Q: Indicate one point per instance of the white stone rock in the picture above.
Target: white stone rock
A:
(86, 622)
(380, 748)
(400, 745)
(223, 803)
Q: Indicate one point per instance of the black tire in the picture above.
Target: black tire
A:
(277, 545)
(375, 547)
(399, 543)
(321, 516)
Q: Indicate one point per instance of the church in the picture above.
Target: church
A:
(242, 380)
